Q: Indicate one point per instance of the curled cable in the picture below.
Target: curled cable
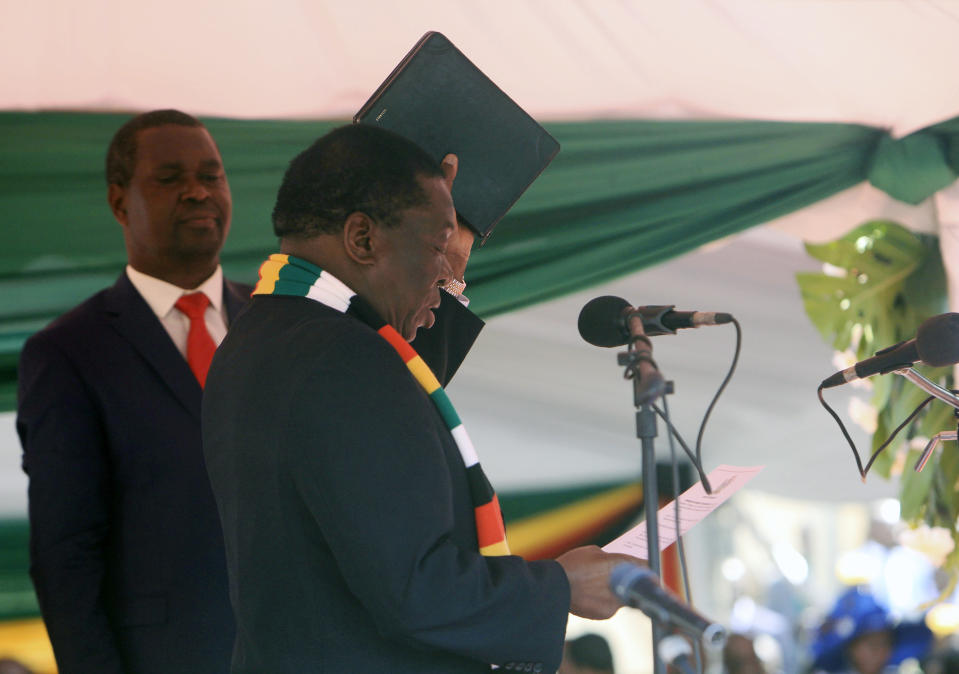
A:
(892, 436)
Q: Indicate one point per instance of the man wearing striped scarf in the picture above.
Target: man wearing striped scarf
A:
(361, 532)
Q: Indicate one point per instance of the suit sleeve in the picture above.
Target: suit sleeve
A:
(445, 345)
(65, 457)
(380, 486)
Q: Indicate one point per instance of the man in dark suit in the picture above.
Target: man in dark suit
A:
(361, 534)
(126, 547)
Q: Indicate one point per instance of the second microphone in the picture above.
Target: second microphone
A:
(604, 321)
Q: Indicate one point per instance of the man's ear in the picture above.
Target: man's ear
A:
(359, 238)
(117, 198)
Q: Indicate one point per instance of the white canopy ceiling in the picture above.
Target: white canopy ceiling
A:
(889, 64)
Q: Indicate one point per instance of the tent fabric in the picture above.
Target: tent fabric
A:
(17, 598)
(912, 168)
(883, 64)
(621, 195)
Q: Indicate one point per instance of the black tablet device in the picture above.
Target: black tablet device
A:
(438, 99)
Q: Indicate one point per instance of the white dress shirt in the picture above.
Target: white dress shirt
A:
(161, 296)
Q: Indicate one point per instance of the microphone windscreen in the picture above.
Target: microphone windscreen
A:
(601, 321)
(937, 340)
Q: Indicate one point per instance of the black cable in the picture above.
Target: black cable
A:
(680, 546)
(895, 433)
(696, 459)
(722, 387)
(892, 436)
(682, 443)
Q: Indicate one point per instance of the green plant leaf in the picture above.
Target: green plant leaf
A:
(914, 489)
(883, 464)
(876, 258)
(885, 281)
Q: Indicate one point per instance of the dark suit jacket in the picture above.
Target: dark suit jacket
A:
(126, 547)
(349, 528)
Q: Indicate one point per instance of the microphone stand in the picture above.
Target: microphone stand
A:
(942, 394)
(648, 385)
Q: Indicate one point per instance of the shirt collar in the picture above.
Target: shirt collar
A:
(161, 296)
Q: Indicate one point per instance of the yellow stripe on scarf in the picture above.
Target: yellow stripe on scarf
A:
(270, 273)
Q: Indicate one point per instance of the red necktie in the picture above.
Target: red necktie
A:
(199, 344)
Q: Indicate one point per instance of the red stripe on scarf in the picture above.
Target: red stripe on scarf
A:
(396, 340)
(489, 523)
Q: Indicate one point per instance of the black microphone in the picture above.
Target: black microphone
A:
(639, 587)
(936, 343)
(604, 321)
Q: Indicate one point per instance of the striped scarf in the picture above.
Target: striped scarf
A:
(288, 275)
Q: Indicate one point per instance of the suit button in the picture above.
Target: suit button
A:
(538, 668)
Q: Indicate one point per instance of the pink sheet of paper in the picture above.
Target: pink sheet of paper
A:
(694, 505)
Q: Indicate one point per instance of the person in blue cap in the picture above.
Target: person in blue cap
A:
(859, 636)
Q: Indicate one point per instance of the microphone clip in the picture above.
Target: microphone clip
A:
(632, 358)
(648, 383)
(652, 317)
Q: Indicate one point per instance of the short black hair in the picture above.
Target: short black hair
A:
(353, 168)
(122, 153)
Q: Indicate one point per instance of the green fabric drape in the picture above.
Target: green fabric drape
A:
(17, 597)
(621, 195)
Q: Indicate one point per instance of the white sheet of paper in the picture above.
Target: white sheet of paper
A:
(694, 505)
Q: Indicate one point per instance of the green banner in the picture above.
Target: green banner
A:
(620, 196)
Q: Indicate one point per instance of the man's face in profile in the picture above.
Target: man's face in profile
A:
(176, 208)
(413, 264)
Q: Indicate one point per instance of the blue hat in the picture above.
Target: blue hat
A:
(855, 613)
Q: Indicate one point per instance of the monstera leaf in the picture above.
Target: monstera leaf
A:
(873, 269)
(880, 281)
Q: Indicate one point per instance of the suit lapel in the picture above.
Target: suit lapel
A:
(132, 317)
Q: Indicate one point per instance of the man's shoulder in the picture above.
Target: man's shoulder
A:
(83, 329)
(302, 330)
(73, 340)
(300, 318)
(84, 317)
